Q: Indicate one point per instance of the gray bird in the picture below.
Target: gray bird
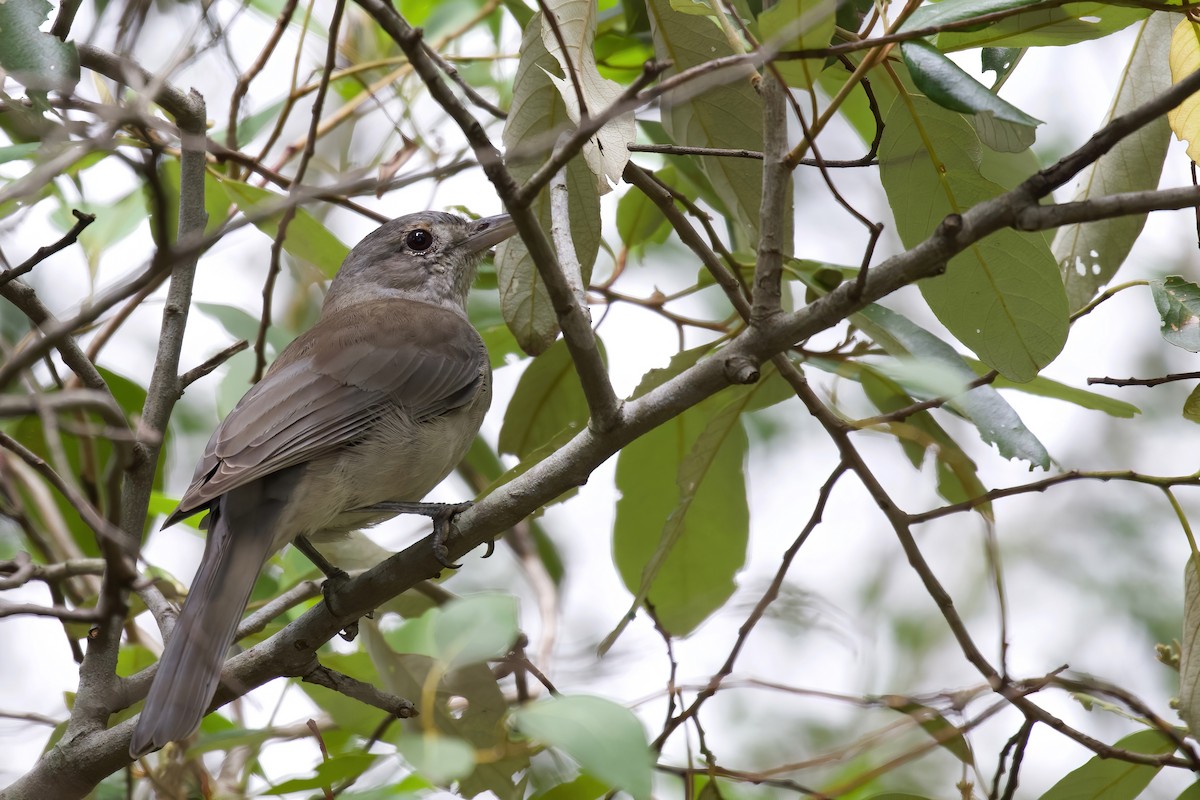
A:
(375, 404)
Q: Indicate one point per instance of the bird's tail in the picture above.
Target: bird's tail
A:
(237, 547)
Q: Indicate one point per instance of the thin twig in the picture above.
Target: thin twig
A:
(310, 147)
(68, 239)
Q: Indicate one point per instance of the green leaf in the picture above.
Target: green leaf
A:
(114, 222)
(216, 202)
(942, 730)
(919, 435)
(992, 416)
(329, 773)
(606, 739)
(1178, 304)
(799, 25)
(307, 239)
(1189, 655)
(1191, 406)
(682, 520)
(639, 220)
(18, 152)
(1064, 25)
(1002, 297)
(1184, 60)
(728, 115)
(1089, 254)
(548, 399)
(1042, 386)
(584, 787)
(536, 118)
(1000, 60)
(1110, 778)
(39, 61)
(475, 628)
(241, 325)
(441, 759)
(948, 85)
(479, 719)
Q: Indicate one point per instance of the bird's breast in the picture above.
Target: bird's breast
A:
(399, 459)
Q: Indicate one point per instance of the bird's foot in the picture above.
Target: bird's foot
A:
(442, 514)
(335, 579)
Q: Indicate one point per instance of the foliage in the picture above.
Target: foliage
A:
(809, 454)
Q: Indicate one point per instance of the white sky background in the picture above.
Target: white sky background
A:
(846, 642)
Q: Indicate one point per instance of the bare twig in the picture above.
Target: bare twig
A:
(196, 373)
(310, 147)
(365, 693)
(1158, 381)
(68, 239)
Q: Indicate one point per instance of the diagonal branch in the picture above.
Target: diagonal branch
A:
(76, 764)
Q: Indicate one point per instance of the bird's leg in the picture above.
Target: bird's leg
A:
(335, 579)
(442, 514)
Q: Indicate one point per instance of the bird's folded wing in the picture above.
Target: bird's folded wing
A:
(329, 386)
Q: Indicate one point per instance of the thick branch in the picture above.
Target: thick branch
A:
(76, 764)
(776, 185)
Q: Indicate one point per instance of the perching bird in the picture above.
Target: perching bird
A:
(376, 403)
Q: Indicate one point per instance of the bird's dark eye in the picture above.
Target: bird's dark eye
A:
(418, 240)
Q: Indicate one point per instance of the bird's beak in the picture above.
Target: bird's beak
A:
(487, 232)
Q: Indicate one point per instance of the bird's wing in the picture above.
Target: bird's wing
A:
(329, 386)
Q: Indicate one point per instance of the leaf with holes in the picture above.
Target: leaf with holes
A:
(1178, 304)
(1089, 254)
(1002, 297)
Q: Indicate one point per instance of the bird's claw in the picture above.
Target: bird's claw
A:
(442, 520)
(333, 584)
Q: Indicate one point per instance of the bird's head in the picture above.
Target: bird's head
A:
(430, 256)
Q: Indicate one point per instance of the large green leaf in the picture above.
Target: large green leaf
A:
(682, 521)
(799, 25)
(40, 61)
(1111, 778)
(538, 115)
(1063, 25)
(728, 115)
(547, 400)
(1002, 297)
(479, 721)
(307, 239)
(1089, 254)
(947, 84)
(919, 435)
(606, 739)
